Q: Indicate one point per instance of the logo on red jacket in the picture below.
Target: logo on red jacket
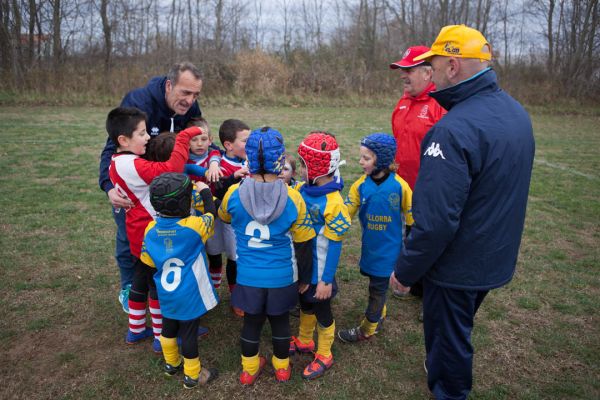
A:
(424, 112)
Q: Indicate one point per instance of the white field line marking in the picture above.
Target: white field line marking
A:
(541, 161)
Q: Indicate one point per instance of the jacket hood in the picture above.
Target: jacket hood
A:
(264, 201)
(484, 81)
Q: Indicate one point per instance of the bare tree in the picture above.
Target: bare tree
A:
(106, 29)
(56, 37)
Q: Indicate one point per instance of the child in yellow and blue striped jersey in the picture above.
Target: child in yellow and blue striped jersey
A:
(319, 160)
(273, 235)
(383, 201)
(288, 173)
(174, 245)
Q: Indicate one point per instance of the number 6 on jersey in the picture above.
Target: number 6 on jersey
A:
(172, 265)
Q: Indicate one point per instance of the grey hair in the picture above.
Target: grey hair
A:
(177, 69)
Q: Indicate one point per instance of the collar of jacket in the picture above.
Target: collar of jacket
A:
(158, 92)
(316, 191)
(483, 81)
(423, 96)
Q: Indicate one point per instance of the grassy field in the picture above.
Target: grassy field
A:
(62, 328)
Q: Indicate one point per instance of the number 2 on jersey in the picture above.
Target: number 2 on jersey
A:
(263, 234)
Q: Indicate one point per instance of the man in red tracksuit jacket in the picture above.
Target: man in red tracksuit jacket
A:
(415, 112)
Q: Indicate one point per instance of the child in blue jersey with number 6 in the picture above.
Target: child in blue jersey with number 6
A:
(174, 245)
(273, 234)
(383, 201)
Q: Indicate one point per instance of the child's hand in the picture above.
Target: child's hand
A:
(200, 186)
(213, 173)
(323, 291)
(302, 287)
(240, 173)
(191, 131)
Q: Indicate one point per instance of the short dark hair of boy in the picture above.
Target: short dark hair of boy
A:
(201, 123)
(160, 148)
(229, 129)
(123, 121)
(289, 158)
(177, 69)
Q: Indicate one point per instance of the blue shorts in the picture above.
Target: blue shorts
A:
(309, 295)
(269, 301)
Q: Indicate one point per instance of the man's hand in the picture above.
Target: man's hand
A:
(323, 291)
(213, 173)
(118, 200)
(240, 173)
(396, 285)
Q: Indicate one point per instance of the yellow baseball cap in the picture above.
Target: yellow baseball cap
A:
(459, 41)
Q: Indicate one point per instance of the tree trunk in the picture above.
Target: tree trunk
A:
(31, 46)
(5, 38)
(107, 34)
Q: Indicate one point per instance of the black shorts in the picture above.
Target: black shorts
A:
(269, 301)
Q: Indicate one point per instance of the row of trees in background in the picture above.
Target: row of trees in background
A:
(542, 48)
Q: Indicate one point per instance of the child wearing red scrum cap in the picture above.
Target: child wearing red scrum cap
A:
(384, 202)
(319, 160)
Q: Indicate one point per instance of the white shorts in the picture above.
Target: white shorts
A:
(223, 241)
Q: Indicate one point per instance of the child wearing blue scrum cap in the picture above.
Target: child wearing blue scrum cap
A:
(273, 234)
(383, 201)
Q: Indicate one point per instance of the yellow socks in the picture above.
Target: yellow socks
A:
(191, 367)
(326, 336)
(368, 328)
(170, 351)
(307, 327)
(280, 363)
(251, 364)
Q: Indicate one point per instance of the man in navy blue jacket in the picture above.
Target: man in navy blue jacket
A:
(169, 103)
(468, 205)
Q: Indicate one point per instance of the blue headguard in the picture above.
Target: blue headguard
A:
(384, 147)
(265, 151)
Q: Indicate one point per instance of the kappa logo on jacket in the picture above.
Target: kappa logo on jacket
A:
(434, 151)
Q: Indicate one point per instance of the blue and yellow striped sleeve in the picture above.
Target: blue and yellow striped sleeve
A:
(302, 229)
(406, 201)
(145, 257)
(223, 212)
(337, 218)
(197, 203)
(353, 199)
(202, 225)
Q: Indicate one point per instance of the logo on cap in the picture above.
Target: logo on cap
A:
(406, 53)
(449, 48)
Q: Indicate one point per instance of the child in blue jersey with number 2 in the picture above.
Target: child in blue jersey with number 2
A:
(383, 201)
(174, 245)
(273, 235)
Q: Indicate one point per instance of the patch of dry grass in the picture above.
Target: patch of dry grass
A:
(63, 329)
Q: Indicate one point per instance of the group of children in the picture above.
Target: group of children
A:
(282, 238)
